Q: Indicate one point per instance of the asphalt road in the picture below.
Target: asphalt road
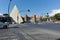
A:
(30, 31)
(11, 34)
(42, 31)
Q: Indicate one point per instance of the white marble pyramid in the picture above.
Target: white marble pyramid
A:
(15, 15)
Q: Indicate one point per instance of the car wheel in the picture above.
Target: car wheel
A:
(5, 27)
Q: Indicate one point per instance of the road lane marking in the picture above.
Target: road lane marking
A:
(26, 35)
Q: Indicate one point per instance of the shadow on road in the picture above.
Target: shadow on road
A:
(9, 27)
(58, 39)
(14, 27)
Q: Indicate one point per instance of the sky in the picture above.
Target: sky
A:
(37, 7)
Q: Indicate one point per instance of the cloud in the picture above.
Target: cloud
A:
(1, 14)
(53, 12)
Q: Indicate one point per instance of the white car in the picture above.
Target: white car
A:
(4, 25)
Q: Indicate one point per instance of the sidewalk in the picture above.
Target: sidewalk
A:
(57, 22)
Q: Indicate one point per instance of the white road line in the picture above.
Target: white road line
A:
(26, 35)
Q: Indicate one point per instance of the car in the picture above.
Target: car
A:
(4, 25)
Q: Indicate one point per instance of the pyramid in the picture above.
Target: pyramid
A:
(15, 15)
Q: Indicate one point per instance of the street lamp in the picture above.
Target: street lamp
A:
(47, 16)
(8, 11)
(9, 7)
(26, 17)
(28, 10)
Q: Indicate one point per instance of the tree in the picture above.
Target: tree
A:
(44, 19)
(57, 16)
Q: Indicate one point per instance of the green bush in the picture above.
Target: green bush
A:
(57, 16)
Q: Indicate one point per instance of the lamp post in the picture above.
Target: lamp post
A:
(47, 16)
(26, 17)
(9, 7)
(28, 10)
(8, 11)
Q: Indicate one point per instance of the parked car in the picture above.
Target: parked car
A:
(4, 25)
